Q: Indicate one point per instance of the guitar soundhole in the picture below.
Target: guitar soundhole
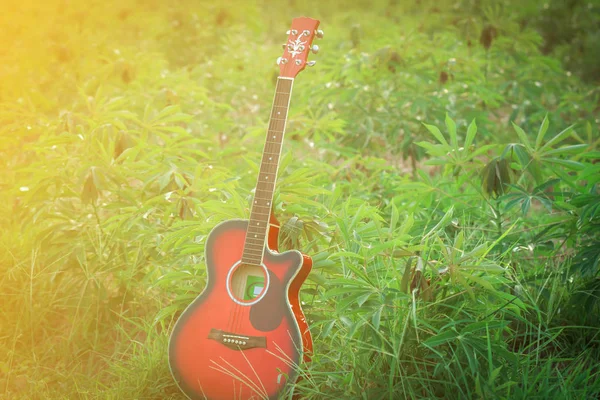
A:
(247, 283)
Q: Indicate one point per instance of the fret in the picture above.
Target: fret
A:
(258, 229)
(262, 208)
(258, 244)
(268, 190)
(271, 156)
(267, 152)
(250, 250)
(255, 244)
(253, 212)
(257, 248)
(274, 132)
(254, 249)
(262, 232)
(258, 219)
(276, 118)
(267, 206)
(268, 187)
(257, 206)
(269, 163)
(253, 261)
(252, 257)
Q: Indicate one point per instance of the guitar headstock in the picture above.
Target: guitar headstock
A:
(299, 43)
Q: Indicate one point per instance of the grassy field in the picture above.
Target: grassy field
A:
(440, 166)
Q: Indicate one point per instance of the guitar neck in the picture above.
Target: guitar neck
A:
(265, 186)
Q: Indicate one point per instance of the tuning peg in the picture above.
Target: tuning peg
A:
(284, 46)
(319, 33)
(281, 60)
(311, 63)
(292, 31)
(314, 48)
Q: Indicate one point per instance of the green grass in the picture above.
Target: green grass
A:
(442, 174)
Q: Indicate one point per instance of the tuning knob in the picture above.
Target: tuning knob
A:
(311, 63)
(319, 33)
(281, 60)
(314, 48)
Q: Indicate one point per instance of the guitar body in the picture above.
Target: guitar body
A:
(272, 333)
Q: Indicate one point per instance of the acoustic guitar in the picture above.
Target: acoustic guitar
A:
(244, 336)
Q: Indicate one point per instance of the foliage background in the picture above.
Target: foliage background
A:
(440, 166)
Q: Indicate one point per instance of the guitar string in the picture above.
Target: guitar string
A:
(281, 100)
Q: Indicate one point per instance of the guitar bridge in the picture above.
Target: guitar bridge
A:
(237, 342)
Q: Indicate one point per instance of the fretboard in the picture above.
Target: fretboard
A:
(265, 186)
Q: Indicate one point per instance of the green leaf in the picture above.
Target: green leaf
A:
(89, 193)
(523, 137)
(525, 206)
(576, 148)
(376, 319)
(442, 223)
(482, 325)
(520, 151)
(451, 126)
(406, 276)
(558, 138)
(441, 338)
(540, 188)
(566, 163)
(471, 131)
(494, 375)
(541, 132)
(436, 132)
(360, 300)
(394, 219)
